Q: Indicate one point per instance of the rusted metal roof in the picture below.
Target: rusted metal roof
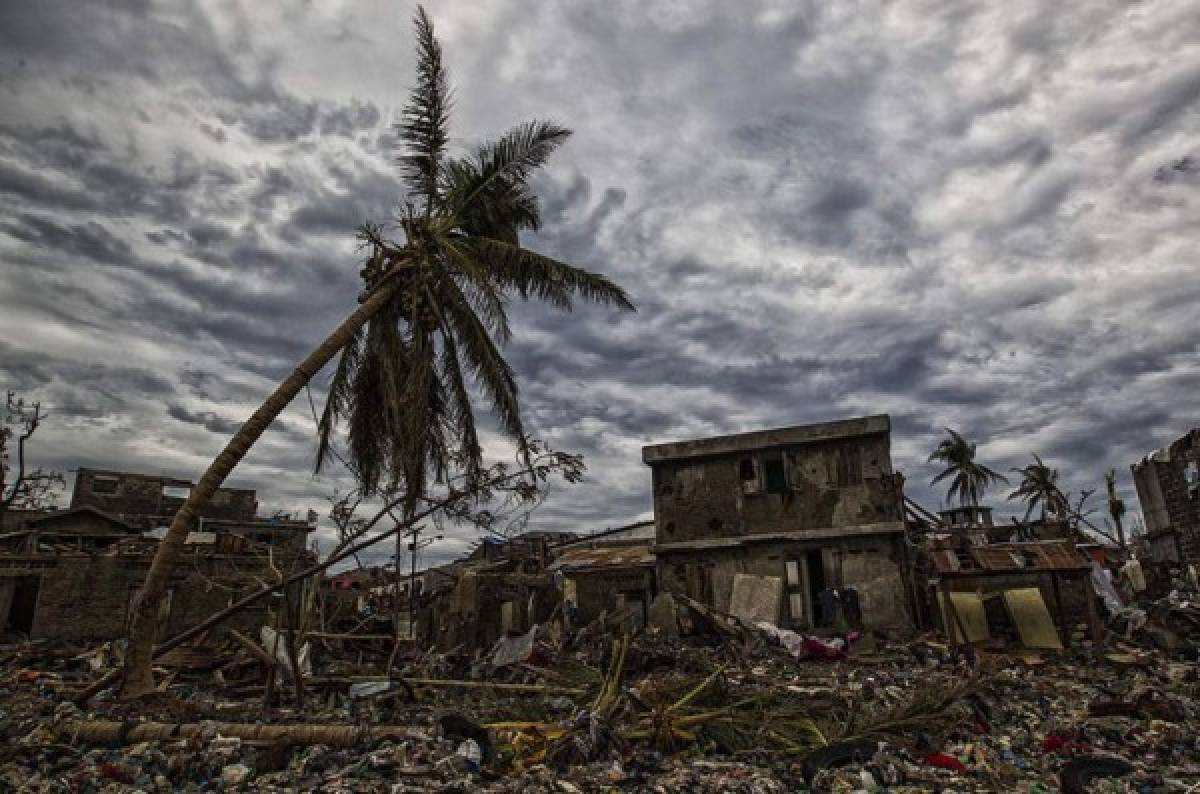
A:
(604, 557)
(999, 558)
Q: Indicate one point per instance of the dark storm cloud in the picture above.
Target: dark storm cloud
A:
(206, 419)
(957, 215)
(1186, 167)
(72, 388)
(89, 240)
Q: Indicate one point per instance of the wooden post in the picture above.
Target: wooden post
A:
(267, 659)
(948, 616)
(1093, 616)
(1058, 609)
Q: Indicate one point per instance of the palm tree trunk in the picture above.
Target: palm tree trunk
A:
(142, 625)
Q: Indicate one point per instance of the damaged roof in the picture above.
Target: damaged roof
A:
(609, 557)
(1034, 557)
(767, 439)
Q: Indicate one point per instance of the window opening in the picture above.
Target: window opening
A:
(775, 475)
(104, 484)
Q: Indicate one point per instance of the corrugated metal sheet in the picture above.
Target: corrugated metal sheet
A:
(611, 557)
(1014, 557)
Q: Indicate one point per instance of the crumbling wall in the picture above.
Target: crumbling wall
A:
(83, 599)
(598, 591)
(840, 483)
(875, 573)
(870, 564)
(86, 598)
(1168, 488)
(148, 501)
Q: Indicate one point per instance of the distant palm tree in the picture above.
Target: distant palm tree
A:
(1116, 505)
(427, 326)
(1039, 490)
(971, 478)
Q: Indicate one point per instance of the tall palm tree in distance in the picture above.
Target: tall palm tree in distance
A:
(1039, 490)
(431, 318)
(969, 479)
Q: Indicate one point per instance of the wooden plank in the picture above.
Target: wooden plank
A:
(971, 624)
(1032, 619)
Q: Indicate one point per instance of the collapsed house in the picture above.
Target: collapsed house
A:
(801, 526)
(608, 572)
(1168, 488)
(502, 587)
(1040, 588)
(71, 574)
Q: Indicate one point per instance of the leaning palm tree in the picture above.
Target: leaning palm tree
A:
(1116, 505)
(428, 328)
(1039, 490)
(971, 479)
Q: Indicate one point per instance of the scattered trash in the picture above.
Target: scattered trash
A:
(697, 701)
(1078, 774)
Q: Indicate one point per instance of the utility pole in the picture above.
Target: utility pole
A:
(415, 544)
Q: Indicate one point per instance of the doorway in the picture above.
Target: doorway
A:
(805, 579)
(23, 607)
(815, 565)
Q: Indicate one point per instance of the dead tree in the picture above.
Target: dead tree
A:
(34, 489)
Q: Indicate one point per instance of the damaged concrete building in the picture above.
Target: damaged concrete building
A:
(799, 526)
(1168, 488)
(71, 574)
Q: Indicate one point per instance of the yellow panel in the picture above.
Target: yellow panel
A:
(1032, 619)
(969, 607)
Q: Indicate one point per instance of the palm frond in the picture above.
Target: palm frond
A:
(500, 171)
(506, 206)
(423, 126)
(372, 415)
(481, 288)
(491, 372)
(459, 406)
(547, 279)
(339, 397)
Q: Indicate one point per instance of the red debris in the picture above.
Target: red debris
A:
(943, 761)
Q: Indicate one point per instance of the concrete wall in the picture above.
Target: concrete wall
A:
(598, 590)
(1168, 501)
(86, 599)
(142, 500)
(829, 484)
(869, 564)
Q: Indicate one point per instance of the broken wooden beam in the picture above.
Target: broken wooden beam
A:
(112, 732)
(541, 689)
(253, 647)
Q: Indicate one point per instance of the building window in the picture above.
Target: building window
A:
(176, 491)
(748, 474)
(105, 484)
(775, 474)
(665, 478)
(849, 466)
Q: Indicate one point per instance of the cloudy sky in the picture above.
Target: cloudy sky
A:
(981, 215)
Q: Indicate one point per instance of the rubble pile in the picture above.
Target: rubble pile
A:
(711, 703)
